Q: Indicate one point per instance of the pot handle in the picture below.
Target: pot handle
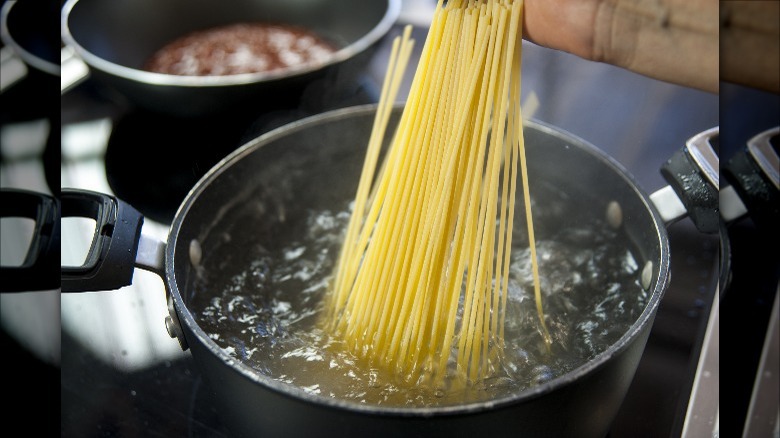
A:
(753, 178)
(114, 245)
(38, 271)
(693, 176)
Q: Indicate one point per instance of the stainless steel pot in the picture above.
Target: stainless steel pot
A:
(320, 159)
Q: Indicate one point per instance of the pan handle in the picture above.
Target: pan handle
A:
(74, 70)
(693, 177)
(115, 243)
(38, 271)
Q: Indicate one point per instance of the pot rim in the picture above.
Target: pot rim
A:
(145, 77)
(655, 291)
(28, 57)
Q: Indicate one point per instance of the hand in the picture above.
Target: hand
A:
(672, 40)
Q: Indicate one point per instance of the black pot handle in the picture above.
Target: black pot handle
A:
(114, 244)
(41, 264)
(693, 174)
(753, 173)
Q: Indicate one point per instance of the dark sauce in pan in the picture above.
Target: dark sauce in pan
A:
(240, 48)
(266, 313)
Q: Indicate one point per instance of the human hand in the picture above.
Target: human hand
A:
(673, 40)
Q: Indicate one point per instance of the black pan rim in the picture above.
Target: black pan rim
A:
(194, 82)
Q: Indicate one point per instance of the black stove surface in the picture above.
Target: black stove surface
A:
(166, 400)
(184, 150)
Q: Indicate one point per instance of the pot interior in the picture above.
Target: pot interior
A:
(127, 32)
(266, 227)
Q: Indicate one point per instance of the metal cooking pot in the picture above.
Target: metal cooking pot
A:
(114, 39)
(30, 47)
(314, 163)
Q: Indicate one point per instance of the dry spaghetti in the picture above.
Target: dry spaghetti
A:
(431, 230)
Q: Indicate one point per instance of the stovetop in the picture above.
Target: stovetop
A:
(122, 376)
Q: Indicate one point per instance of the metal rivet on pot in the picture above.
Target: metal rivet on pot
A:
(614, 214)
(175, 332)
(169, 326)
(647, 275)
(195, 252)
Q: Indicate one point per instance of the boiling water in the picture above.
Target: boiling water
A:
(266, 313)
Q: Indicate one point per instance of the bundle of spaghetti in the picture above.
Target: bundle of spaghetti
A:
(431, 230)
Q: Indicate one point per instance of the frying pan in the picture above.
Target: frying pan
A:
(115, 38)
(261, 190)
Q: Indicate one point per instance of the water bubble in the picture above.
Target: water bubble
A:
(541, 374)
(373, 379)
